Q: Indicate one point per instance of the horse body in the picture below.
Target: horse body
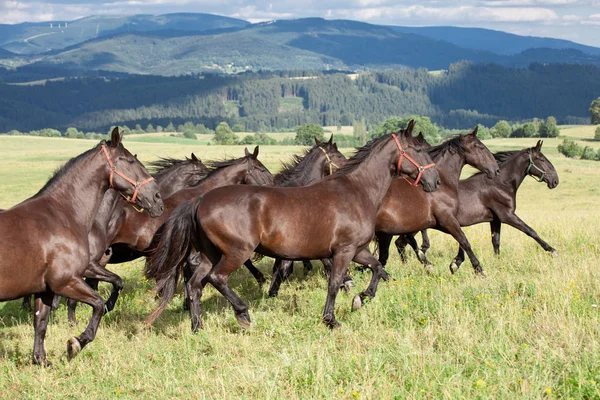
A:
(494, 201)
(228, 224)
(406, 210)
(49, 253)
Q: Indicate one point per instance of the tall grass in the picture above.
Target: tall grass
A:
(530, 330)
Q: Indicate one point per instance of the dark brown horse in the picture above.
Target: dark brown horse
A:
(137, 229)
(171, 175)
(228, 224)
(495, 201)
(406, 209)
(44, 240)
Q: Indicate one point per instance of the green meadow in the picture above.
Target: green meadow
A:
(530, 330)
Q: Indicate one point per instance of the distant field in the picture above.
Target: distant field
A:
(530, 330)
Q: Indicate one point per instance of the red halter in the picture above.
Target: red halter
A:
(114, 170)
(413, 162)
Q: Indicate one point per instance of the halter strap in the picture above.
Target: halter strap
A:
(532, 164)
(113, 170)
(331, 163)
(412, 161)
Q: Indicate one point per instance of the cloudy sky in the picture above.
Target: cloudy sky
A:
(577, 20)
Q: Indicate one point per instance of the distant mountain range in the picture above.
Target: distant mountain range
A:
(176, 44)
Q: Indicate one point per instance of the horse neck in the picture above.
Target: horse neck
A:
(449, 167)
(373, 176)
(80, 190)
(107, 207)
(512, 173)
(171, 181)
(221, 177)
(311, 172)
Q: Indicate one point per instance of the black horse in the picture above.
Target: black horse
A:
(495, 201)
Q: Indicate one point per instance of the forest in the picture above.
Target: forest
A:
(463, 96)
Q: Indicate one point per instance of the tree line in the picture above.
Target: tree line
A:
(465, 95)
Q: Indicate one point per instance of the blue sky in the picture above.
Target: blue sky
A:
(577, 20)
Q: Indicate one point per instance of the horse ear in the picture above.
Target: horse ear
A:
(410, 127)
(474, 133)
(335, 146)
(246, 152)
(420, 136)
(538, 146)
(317, 141)
(331, 139)
(115, 137)
(255, 154)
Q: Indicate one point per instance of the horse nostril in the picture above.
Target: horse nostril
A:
(157, 196)
(438, 182)
(498, 171)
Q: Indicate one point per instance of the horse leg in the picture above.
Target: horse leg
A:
(453, 227)
(260, 278)
(412, 241)
(328, 266)
(341, 259)
(513, 220)
(219, 276)
(26, 305)
(401, 243)
(96, 273)
(72, 304)
(495, 227)
(307, 266)
(282, 269)
(425, 237)
(189, 269)
(458, 260)
(364, 257)
(55, 303)
(77, 289)
(384, 240)
(194, 287)
(43, 306)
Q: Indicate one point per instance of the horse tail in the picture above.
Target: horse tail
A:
(169, 250)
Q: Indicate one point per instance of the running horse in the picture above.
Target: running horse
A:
(226, 225)
(407, 210)
(495, 201)
(44, 239)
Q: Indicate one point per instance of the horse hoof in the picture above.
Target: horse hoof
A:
(73, 348)
(421, 256)
(554, 253)
(244, 321)
(333, 324)
(453, 268)
(356, 303)
(479, 273)
(348, 285)
(429, 268)
(42, 362)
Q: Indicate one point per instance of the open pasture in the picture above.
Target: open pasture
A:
(530, 330)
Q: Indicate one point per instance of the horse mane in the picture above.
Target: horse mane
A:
(360, 155)
(295, 169)
(164, 163)
(503, 156)
(436, 152)
(62, 170)
(217, 165)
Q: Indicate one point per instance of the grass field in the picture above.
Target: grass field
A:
(530, 330)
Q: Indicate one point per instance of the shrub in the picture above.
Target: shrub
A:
(190, 135)
(597, 133)
(588, 153)
(570, 149)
